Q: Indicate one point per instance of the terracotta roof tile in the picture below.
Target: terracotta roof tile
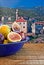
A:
(21, 20)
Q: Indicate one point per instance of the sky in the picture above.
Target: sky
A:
(21, 3)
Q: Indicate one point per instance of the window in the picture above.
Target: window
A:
(20, 23)
(23, 26)
(24, 23)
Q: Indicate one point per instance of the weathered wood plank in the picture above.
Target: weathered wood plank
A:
(30, 54)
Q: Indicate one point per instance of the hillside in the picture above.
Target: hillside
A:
(37, 12)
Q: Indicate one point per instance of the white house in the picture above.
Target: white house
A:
(23, 23)
(9, 18)
(33, 28)
(2, 18)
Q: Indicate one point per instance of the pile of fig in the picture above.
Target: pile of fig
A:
(8, 34)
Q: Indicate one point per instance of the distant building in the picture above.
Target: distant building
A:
(33, 28)
(9, 18)
(9, 23)
(23, 23)
(6, 18)
(2, 18)
(16, 14)
(37, 27)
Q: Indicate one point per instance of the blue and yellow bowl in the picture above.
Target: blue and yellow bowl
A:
(11, 48)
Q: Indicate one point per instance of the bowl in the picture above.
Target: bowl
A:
(12, 48)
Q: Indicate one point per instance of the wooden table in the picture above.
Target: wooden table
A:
(30, 54)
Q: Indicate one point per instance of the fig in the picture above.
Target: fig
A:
(14, 37)
(1, 38)
(5, 29)
(16, 27)
(22, 35)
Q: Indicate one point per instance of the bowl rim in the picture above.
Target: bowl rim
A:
(23, 41)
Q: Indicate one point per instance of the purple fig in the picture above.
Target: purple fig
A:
(22, 35)
(1, 38)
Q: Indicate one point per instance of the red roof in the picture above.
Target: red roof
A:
(42, 23)
(21, 20)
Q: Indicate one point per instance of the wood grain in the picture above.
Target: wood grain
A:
(30, 54)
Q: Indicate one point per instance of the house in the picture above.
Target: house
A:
(23, 23)
(37, 27)
(2, 18)
(9, 24)
(33, 28)
(9, 18)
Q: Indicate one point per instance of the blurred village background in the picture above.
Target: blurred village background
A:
(33, 20)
